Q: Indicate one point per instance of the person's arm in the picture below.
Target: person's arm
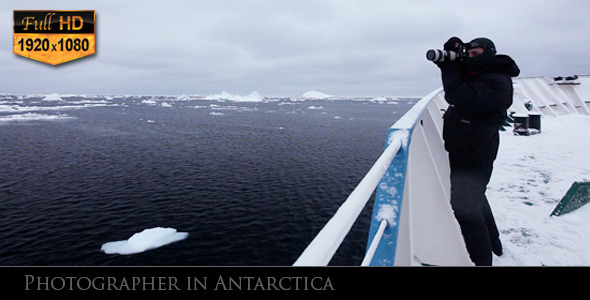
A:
(488, 93)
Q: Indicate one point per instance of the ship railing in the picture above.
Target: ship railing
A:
(412, 222)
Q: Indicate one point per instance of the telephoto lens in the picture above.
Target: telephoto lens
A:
(431, 54)
(440, 55)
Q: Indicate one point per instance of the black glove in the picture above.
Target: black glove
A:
(453, 44)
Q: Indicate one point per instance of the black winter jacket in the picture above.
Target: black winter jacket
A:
(477, 108)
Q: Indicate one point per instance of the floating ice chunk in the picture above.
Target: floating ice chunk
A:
(149, 102)
(166, 104)
(52, 97)
(146, 240)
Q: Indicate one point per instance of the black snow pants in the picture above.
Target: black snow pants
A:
(471, 208)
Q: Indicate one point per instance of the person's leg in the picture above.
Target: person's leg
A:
(476, 237)
(468, 185)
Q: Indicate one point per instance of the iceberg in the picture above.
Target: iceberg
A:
(52, 97)
(253, 97)
(149, 102)
(379, 99)
(316, 95)
(145, 240)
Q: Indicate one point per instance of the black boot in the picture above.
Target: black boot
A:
(497, 247)
(477, 240)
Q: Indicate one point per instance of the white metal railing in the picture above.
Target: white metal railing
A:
(320, 251)
(374, 244)
(322, 248)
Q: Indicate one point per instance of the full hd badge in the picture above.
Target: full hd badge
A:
(54, 36)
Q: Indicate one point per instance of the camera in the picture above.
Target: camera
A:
(438, 55)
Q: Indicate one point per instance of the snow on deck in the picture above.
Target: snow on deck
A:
(531, 175)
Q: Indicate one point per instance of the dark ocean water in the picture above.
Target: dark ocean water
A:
(252, 183)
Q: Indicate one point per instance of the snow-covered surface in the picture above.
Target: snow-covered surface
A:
(531, 176)
(145, 240)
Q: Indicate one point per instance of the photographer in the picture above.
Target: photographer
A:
(478, 88)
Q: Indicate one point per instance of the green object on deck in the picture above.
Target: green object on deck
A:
(576, 197)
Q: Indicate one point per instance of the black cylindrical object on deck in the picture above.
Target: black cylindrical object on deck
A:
(521, 124)
(535, 122)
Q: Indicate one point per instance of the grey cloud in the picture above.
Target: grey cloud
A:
(342, 47)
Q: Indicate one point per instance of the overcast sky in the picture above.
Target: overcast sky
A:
(285, 48)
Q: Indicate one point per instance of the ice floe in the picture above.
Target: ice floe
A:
(149, 101)
(33, 117)
(145, 240)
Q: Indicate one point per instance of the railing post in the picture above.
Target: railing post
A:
(388, 203)
(391, 191)
(413, 196)
(374, 244)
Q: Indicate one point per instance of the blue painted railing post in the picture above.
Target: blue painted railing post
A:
(388, 200)
(390, 191)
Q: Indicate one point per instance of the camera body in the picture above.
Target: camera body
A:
(438, 55)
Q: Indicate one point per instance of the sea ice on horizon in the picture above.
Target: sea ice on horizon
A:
(33, 117)
(52, 97)
(252, 97)
(145, 240)
(315, 95)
